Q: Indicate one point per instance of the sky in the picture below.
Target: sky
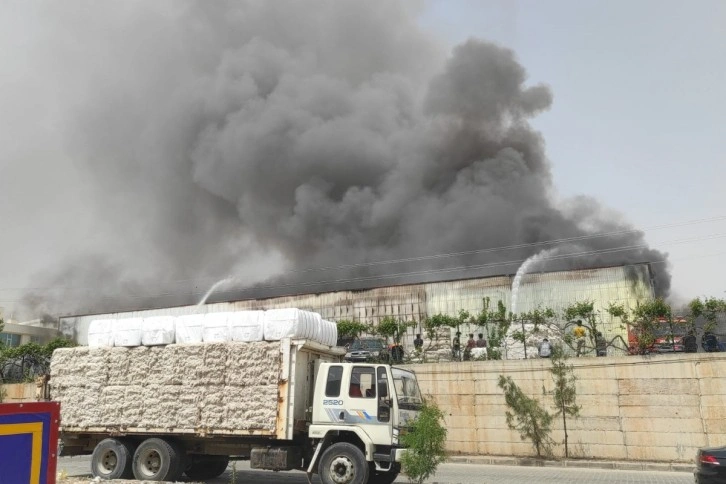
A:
(638, 119)
(100, 101)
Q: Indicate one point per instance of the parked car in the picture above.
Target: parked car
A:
(710, 466)
(367, 349)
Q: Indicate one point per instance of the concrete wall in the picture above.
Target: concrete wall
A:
(19, 392)
(659, 408)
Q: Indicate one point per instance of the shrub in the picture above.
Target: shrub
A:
(425, 441)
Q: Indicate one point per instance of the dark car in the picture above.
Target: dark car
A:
(710, 466)
(367, 349)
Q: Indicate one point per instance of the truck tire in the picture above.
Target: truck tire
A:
(112, 459)
(207, 467)
(343, 463)
(158, 460)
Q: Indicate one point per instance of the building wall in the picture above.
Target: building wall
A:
(414, 302)
(18, 392)
(658, 408)
(28, 334)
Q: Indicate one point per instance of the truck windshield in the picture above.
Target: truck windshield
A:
(409, 396)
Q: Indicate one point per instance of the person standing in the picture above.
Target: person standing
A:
(481, 342)
(456, 346)
(545, 349)
(418, 343)
(470, 344)
(579, 333)
(601, 345)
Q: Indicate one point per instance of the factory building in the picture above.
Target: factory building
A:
(626, 285)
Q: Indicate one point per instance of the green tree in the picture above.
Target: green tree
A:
(390, 327)
(540, 320)
(564, 392)
(709, 309)
(425, 441)
(29, 360)
(351, 329)
(644, 323)
(495, 325)
(526, 416)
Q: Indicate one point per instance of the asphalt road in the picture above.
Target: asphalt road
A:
(447, 474)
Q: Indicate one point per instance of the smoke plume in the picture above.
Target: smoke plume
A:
(267, 140)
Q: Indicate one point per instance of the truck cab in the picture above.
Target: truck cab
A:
(359, 412)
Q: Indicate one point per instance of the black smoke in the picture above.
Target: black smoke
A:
(267, 140)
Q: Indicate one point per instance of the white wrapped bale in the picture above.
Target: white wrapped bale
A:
(330, 333)
(189, 328)
(333, 333)
(127, 332)
(158, 330)
(216, 328)
(246, 325)
(100, 332)
(289, 323)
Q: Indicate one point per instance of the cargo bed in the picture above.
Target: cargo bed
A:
(230, 389)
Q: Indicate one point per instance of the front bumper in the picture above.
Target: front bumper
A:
(397, 454)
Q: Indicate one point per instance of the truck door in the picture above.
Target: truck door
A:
(365, 406)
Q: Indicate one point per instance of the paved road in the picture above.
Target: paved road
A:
(449, 474)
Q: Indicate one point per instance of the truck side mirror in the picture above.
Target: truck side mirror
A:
(382, 388)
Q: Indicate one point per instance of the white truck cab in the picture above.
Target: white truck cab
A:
(359, 412)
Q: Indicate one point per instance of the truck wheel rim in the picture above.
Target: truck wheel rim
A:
(150, 463)
(342, 470)
(107, 463)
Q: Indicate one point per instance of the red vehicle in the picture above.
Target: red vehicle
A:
(667, 337)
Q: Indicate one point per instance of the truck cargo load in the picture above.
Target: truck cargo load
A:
(265, 386)
(230, 388)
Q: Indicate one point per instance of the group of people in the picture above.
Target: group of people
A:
(709, 342)
(579, 333)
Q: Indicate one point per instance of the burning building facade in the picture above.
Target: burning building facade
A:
(627, 285)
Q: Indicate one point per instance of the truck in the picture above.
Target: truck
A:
(664, 336)
(155, 413)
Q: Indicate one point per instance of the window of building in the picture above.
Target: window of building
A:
(9, 339)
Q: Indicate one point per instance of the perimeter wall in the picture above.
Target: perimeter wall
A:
(657, 408)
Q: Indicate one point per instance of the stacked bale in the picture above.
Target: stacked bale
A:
(226, 387)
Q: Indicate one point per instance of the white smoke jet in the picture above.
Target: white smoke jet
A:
(523, 269)
(214, 287)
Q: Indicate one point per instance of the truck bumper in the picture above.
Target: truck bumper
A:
(397, 454)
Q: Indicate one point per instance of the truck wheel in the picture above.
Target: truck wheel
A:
(112, 459)
(158, 460)
(343, 463)
(207, 467)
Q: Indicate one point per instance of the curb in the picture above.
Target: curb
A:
(573, 463)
